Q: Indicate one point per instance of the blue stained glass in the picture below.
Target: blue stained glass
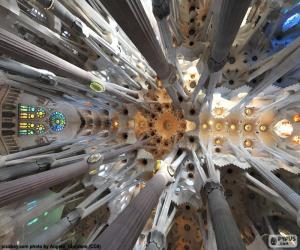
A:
(57, 121)
(291, 22)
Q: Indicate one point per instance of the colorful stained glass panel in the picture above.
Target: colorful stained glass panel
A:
(57, 121)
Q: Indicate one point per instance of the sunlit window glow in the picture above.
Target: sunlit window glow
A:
(283, 128)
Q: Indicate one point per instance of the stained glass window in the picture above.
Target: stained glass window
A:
(27, 123)
(57, 121)
(40, 113)
(26, 108)
(26, 132)
(40, 129)
(291, 22)
(33, 120)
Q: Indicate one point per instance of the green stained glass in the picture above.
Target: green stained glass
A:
(32, 221)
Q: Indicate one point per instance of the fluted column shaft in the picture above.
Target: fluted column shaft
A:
(124, 231)
(20, 188)
(28, 53)
(132, 18)
(19, 170)
(227, 234)
(230, 18)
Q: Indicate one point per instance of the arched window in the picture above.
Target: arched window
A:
(8, 132)
(8, 114)
(8, 125)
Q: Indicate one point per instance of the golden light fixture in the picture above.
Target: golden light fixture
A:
(115, 123)
(248, 127)
(248, 111)
(296, 118)
(263, 128)
(218, 141)
(204, 126)
(233, 127)
(248, 143)
(218, 126)
(296, 139)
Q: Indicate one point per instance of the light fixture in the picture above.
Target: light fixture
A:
(248, 111)
(248, 127)
(218, 126)
(204, 126)
(248, 143)
(233, 127)
(263, 128)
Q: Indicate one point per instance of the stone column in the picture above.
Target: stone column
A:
(228, 236)
(18, 170)
(226, 26)
(132, 18)
(124, 231)
(32, 55)
(20, 188)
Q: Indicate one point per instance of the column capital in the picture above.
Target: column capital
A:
(211, 185)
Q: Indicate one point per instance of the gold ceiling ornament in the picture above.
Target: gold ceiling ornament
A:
(248, 143)
(204, 126)
(296, 139)
(263, 128)
(233, 127)
(115, 124)
(296, 118)
(218, 111)
(249, 111)
(167, 125)
(219, 126)
(162, 123)
(218, 141)
(248, 127)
